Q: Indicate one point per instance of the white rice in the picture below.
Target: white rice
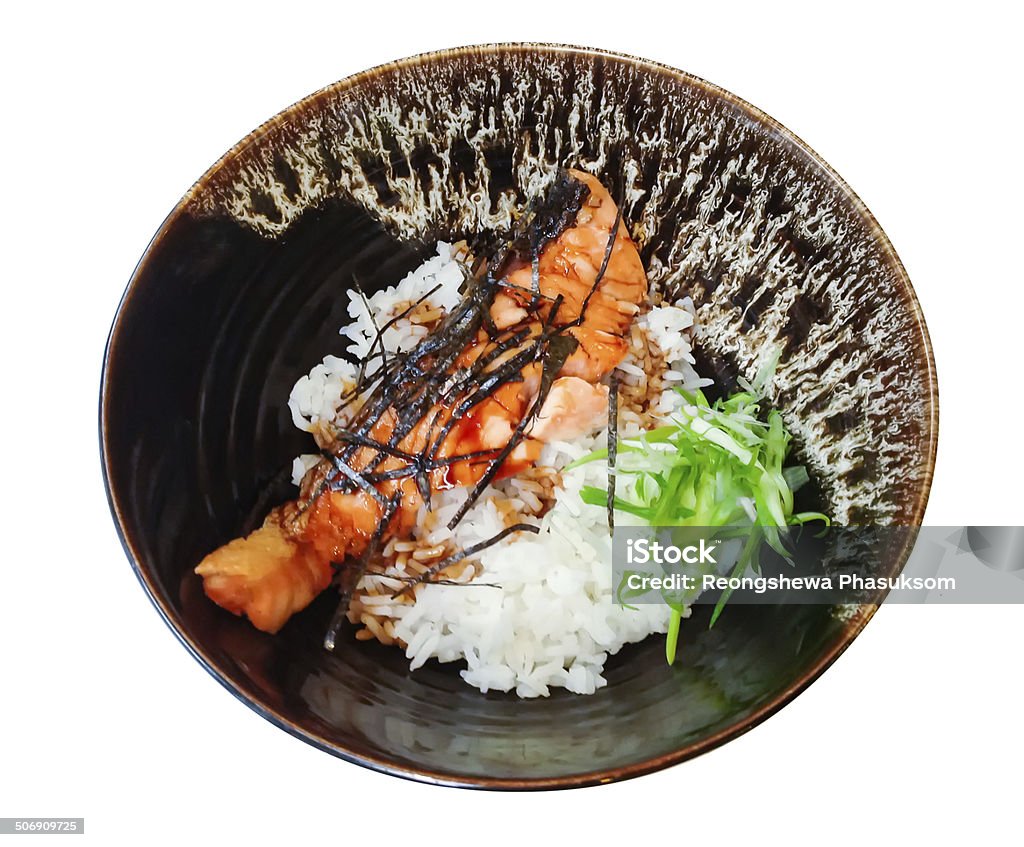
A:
(533, 612)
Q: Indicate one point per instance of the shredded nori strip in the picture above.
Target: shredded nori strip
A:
(378, 337)
(354, 476)
(362, 384)
(472, 550)
(613, 443)
(348, 576)
(609, 248)
(416, 580)
(559, 349)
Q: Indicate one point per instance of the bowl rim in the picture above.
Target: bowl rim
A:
(854, 624)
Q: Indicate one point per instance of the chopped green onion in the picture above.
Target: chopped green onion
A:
(714, 465)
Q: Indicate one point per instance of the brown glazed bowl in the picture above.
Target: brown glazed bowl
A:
(242, 290)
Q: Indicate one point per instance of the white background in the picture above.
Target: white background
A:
(110, 113)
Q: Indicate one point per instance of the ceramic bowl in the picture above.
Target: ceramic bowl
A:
(242, 290)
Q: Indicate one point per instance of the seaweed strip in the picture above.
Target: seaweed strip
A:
(613, 444)
(350, 575)
(360, 386)
(417, 581)
(609, 248)
(472, 550)
(558, 350)
(353, 476)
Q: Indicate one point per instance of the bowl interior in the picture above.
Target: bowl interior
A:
(242, 291)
